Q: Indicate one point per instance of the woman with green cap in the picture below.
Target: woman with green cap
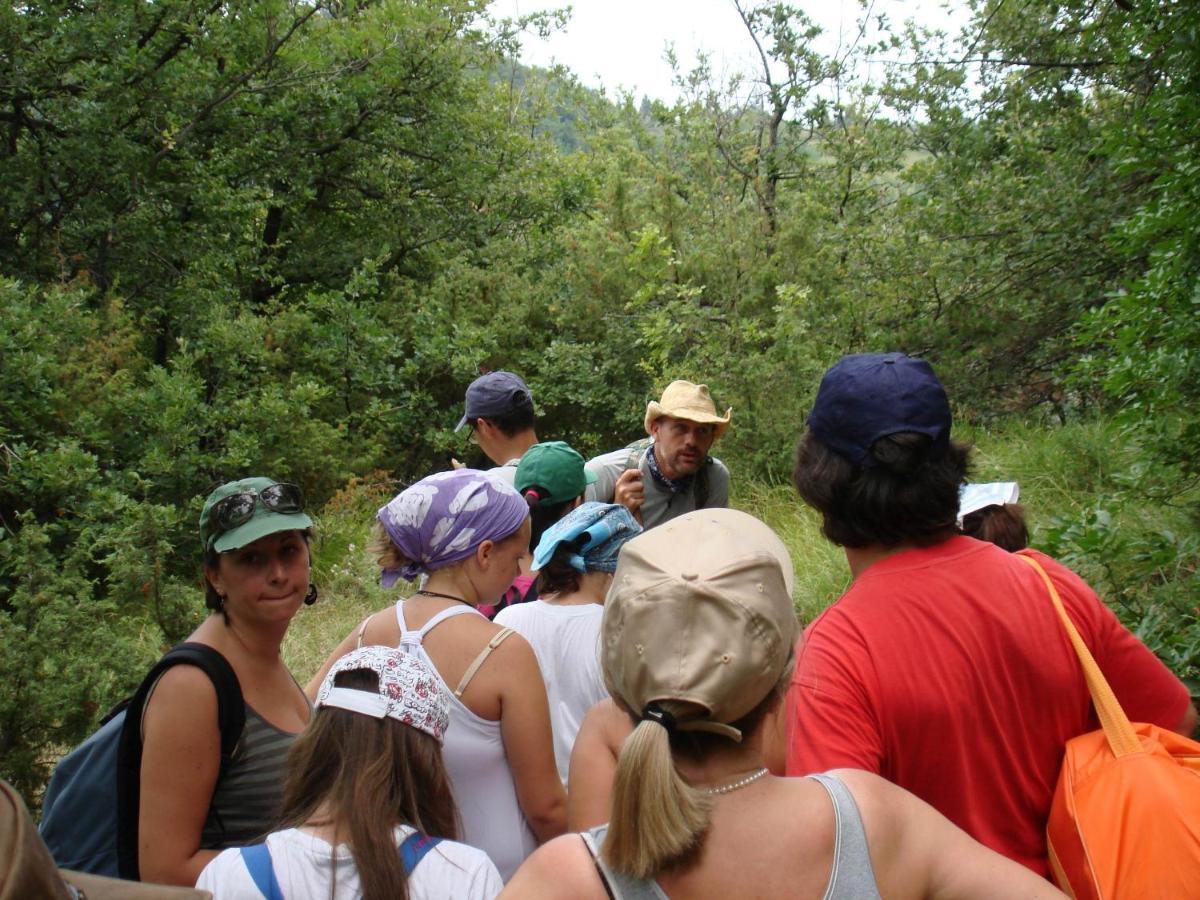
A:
(552, 478)
(256, 571)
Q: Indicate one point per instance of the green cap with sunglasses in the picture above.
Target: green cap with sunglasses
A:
(241, 512)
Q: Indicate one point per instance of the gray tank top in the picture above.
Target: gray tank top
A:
(246, 800)
(852, 876)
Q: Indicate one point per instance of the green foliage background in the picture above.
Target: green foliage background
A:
(280, 237)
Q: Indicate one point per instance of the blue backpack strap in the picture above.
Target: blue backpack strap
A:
(413, 849)
(257, 858)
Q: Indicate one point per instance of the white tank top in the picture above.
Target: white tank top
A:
(478, 768)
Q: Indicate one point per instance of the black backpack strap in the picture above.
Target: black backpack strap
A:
(700, 488)
(231, 719)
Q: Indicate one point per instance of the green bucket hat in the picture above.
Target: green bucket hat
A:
(555, 467)
(270, 515)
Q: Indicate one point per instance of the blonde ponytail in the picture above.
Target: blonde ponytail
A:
(658, 820)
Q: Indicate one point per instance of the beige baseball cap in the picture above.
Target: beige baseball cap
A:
(700, 611)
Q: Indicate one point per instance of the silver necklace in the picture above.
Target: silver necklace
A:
(737, 785)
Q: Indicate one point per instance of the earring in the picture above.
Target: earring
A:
(311, 597)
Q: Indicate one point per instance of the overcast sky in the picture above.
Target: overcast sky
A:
(619, 44)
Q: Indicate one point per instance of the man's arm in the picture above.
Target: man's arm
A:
(1146, 689)
(830, 719)
(608, 468)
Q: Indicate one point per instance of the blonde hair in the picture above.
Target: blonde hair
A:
(658, 820)
(386, 553)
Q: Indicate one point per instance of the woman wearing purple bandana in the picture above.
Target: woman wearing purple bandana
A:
(468, 533)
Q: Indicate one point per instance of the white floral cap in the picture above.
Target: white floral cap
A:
(409, 691)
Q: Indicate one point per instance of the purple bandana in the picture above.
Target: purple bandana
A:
(441, 519)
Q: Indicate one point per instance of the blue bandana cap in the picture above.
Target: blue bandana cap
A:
(595, 533)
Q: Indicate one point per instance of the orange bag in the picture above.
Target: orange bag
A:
(1125, 821)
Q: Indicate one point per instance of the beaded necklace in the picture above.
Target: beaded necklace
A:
(739, 784)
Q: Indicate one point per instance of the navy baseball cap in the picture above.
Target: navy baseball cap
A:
(867, 396)
(494, 394)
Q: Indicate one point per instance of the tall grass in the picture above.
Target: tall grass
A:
(819, 567)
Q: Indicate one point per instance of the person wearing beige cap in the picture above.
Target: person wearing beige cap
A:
(670, 473)
(696, 649)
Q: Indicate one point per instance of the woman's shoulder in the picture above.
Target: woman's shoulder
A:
(226, 874)
(562, 868)
(187, 686)
(609, 719)
(462, 855)
(215, 875)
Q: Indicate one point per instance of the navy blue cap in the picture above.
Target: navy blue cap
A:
(495, 394)
(867, 396)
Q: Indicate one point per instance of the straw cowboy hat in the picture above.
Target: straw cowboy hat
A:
(685, 400)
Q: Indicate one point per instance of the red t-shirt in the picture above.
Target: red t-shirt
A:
(947, 671)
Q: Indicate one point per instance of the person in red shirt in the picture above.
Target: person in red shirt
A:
(944, 667)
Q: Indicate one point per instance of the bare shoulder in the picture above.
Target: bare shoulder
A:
(608, 719)
(379, 628)
(877, 798)
(561, 868)
(514, 649)
(862, 782)
(181, 714)
(185, 685)
(605, 725)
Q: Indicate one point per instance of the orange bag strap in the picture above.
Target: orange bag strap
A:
(1116, 725)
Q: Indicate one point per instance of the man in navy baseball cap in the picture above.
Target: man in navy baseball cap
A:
(943, 667)
(867, 396)
(499, 412)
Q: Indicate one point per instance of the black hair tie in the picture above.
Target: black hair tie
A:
(655, 713)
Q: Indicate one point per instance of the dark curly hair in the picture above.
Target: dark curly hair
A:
(541, 514)
(909, 495)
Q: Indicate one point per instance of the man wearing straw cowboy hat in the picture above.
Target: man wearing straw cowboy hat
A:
(670, 473)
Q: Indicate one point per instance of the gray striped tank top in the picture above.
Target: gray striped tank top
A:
(247, 797)
(852, 876)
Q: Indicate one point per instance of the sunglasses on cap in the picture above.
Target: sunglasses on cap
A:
(238, 509)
